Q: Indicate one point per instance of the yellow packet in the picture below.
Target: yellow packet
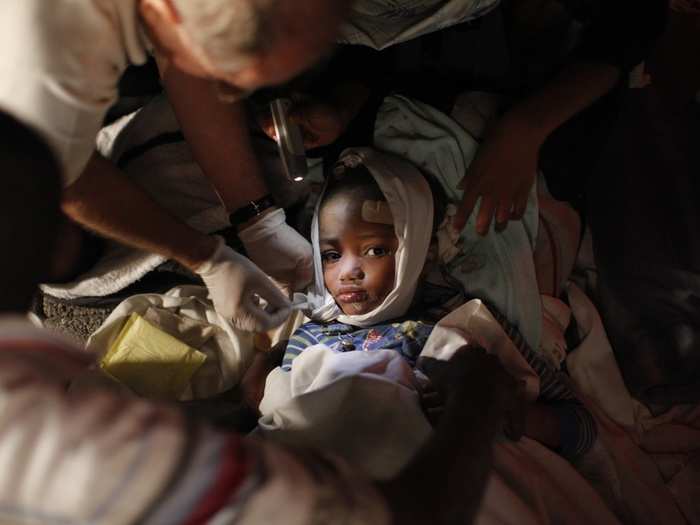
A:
(150, 362)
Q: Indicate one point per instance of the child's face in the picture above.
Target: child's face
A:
(358, 256)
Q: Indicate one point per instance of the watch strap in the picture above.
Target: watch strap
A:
(251, 210)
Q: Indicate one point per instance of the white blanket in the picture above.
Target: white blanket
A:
(185, 313)
(364, 406)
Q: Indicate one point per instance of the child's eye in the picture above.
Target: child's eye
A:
(330, 256)
(377, 251)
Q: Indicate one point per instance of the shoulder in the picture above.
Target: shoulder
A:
(60, 68)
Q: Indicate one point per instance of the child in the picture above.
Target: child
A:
(371, 236)
(358, 252)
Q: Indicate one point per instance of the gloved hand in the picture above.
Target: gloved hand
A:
(279, 250)
(236, 286)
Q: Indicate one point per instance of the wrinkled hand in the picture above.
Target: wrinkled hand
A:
(236, 286)
(320, 123)
(502, 174)
(279, 250)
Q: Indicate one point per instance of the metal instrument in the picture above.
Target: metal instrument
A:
(289, 140)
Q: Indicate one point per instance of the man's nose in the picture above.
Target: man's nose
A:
(351, 269)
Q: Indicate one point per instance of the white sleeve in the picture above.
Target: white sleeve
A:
(59, 69)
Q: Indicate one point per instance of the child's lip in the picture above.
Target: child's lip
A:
(354, 296)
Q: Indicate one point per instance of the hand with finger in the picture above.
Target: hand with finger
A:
(500, 177)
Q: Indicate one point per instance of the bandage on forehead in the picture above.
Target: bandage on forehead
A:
(377, 212)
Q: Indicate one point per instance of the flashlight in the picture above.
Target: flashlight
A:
(289, 140)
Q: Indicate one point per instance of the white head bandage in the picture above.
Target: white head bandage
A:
(377, 212)
(410, 204)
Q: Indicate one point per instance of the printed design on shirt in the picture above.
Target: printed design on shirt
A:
(374, 336)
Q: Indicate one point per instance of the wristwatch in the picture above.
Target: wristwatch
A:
(250, 210)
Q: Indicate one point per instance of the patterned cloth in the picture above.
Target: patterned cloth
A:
(104, 459)
(406, 337)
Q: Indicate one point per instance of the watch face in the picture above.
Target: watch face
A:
(289, 141)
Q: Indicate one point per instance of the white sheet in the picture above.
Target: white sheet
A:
(383, 23)
(364, 406)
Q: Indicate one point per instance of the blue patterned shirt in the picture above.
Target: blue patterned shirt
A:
(406, 337)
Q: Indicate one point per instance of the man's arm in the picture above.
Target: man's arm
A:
(618, 36)
(217, 133)
(104, 200)
(505, 167)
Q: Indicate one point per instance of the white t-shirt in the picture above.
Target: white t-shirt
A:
(383, 23)
(60, 64)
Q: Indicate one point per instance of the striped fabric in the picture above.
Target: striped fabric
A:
(578, 428)
(103, 459)
(406, 337)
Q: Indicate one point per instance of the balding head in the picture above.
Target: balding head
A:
(251, 43)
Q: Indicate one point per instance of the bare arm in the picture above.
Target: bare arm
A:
(104, 200)
(217, 133)
(445, 481)
(504, 170)
(575, 89)
(542, 424)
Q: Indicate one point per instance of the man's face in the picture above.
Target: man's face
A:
(359, 263)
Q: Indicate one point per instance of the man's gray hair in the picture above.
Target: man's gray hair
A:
(229, 32)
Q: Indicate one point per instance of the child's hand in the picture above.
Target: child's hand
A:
(473, 375)
(471, 371)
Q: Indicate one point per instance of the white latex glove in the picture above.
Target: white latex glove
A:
(236, 286)
(279, 250)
